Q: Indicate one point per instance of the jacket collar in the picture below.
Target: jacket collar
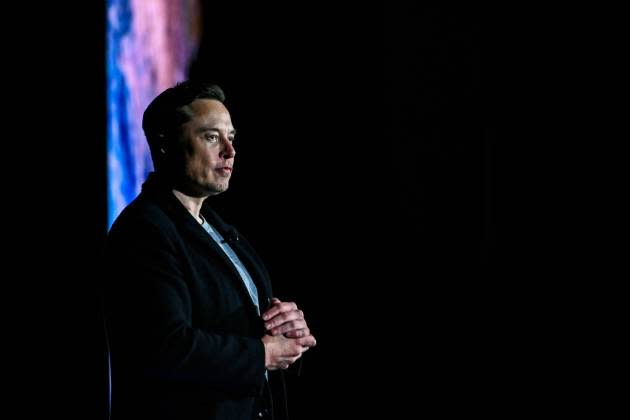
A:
(159, 188)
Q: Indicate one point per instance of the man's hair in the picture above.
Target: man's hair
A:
(166, 114)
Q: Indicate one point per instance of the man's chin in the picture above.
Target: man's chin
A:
(216, 189)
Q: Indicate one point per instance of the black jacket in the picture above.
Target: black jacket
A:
(184, 334)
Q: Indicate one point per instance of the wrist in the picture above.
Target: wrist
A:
(267, 350)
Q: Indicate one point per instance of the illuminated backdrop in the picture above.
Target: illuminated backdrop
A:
(150, 44)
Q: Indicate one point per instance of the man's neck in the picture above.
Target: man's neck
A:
(192, 204)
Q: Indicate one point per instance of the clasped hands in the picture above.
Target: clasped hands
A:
(288, 335)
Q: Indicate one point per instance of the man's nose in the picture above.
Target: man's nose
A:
(228, 150)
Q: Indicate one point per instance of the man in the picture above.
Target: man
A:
(194, 330)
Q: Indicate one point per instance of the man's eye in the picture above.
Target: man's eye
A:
(212, 138)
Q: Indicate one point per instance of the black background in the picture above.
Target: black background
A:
(365, 178)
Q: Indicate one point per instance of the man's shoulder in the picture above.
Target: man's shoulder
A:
(141, 214)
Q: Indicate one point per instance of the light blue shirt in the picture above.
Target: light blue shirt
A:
(247, 279)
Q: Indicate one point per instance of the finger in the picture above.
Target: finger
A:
(284, 364)
(284, 307)
(297, 324)
(308, 341)
(298, 333)
(282, 318)
(279, 308)
(290, 321)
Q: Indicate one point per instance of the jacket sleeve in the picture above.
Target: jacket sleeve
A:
(149, 311)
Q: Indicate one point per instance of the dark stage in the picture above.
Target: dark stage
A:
(364, 177)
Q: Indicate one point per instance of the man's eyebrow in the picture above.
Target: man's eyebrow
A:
(209, 128)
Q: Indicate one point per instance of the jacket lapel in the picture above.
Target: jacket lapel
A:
(193, 230)
(245, 254)
(197, 233)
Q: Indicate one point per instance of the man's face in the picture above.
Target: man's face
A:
(208, 152)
